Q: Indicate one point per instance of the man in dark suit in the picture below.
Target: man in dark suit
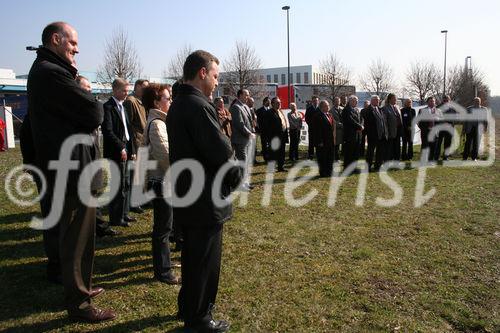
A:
(311, 112)
(261, 118)
(276, 129)
(394, 128)
(118, 142)
(376, 131)
(473, 129)
(194, 134)
(324, 139)
(58, 109)
(445, 136)
(352, 132)
(408, 114)
(336, 112)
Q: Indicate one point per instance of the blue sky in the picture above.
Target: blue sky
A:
(357, 31)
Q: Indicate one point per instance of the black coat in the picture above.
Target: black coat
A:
(375, 124)
(324, 131)
(407, 114)
(58, 108)
(352, 124)
(194, 133)
(273, 128)
(113, 132)
(261, 115)
(311, 112)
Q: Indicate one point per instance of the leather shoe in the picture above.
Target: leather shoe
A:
(211, 326)
(138, 210)
(96, 292)
(92, 315)
(129, 219)
(106, 232)
(171, 279)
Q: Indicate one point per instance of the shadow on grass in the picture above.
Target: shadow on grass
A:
(18, 218)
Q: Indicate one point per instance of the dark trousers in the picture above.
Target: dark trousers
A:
(325, 160)
(362, 145)
(444, 138)
(278, 155)
(393, 151)
(76, 249)
(310, 150)
(430, 144)
(376, 147)
(119, 205)
(264, 147)
(336, 153)
(201, 261)
(407, 149)
(351, 151)
(471, 147)
(162, 227)
(294, 144)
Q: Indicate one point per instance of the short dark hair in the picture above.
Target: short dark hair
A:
(313, 97)
(274, 99)
(216, 99)
(152, 93)
(266, 99)
(429, 98)
(240, 92)
(389, 97)
(118, 83)
(196, 61)
(52, 28)
(139, 83)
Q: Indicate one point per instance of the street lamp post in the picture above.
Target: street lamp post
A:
(287, 8)
(470, 74)
(445, 32)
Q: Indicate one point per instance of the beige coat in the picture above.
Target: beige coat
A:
(157, 140)
(137, 118)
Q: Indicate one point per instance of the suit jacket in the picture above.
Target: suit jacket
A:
(261, 115)
(137, 118)
(339, 126)
(324, 134)
(113, 132)
(408, 114)
(194, 134)
(480, 115)
(241, 123)
(394, 121)
(59, 108)
(352, 124)
(311, 112)
(273, 128)
(375, 123)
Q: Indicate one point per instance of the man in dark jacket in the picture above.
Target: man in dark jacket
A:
(58, 109)
(408, 114)
(119, 148)
(445, 136)
(194, 135)
(394, 128)
(261, 118)
(324, 139)
(352, 132)
(311, 113)
(336, 112)
(276, 129)
(375, 125)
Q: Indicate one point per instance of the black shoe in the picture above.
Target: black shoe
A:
(281, 170)
(120, 224)
(138, 210)
(211, 326)
(107, 232)
(129, 219)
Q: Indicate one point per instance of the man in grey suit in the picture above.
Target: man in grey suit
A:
(243, 135)
(336, 112)
(394, 128)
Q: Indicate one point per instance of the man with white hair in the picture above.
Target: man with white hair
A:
(375, 125)
(352, 131)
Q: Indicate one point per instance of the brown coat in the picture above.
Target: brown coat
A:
(137, 118)
(225, 121)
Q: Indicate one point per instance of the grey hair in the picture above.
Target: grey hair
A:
(374, 96)
(353, 97)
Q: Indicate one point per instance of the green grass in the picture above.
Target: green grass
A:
(306, 269)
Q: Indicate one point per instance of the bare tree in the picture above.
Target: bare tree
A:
(378, 79)
(337, 74)
(241, 70)
(463, 84)
(120, 58)
(176, 64)
(424, 79)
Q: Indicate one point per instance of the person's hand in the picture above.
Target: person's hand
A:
(133, 157)
(252, 135)
(124, 155)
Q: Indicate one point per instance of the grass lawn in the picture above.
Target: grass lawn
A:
(307, 269)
